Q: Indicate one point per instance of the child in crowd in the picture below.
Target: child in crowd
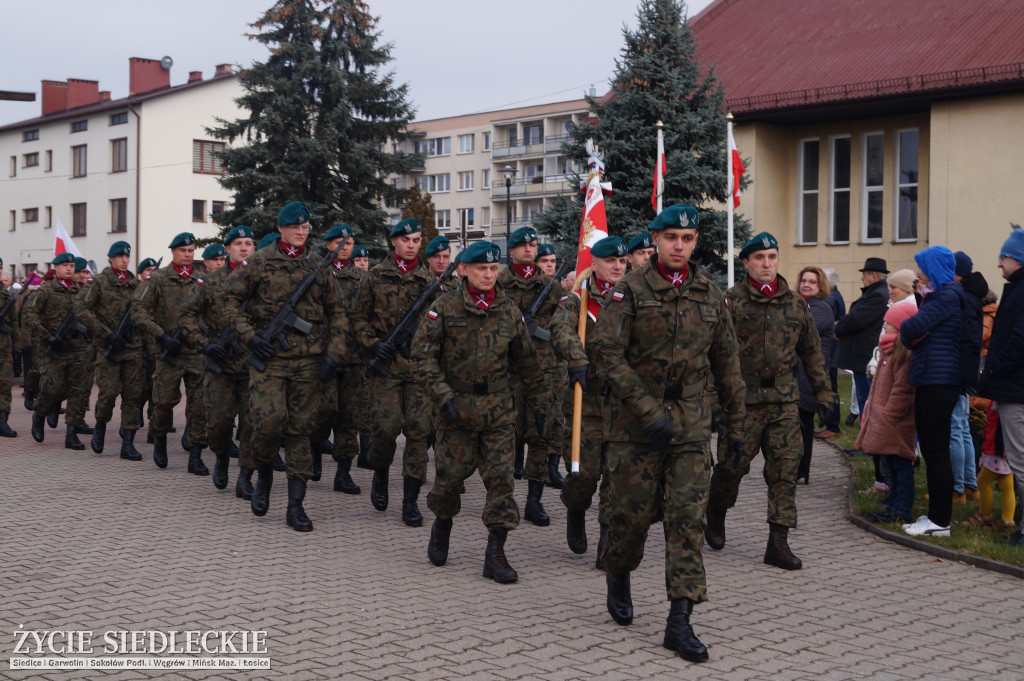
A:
(994, 469)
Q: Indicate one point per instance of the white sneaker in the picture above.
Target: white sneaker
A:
(924, 526)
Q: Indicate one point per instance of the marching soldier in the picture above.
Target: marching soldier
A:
(103, 308)
(439, 254)
(361, 257)
(774, 328)
(10, 344)
(30, 350)
(159, 306)
(81, 390)
(144, 271)
(546, 260)
(214, 256)
(463, 353)
(146, 268)
(662, 330)
(399, 403)
(640, 250)
(521, 282)
(361, 261)
(284, 397)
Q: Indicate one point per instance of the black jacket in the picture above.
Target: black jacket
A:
(1003, 378)
(857, 331)
(976, 289)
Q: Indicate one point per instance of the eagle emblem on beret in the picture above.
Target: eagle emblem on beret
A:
(684, 219)
(766, 241)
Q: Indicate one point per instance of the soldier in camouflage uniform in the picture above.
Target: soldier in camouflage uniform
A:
(159, 307)
(521, 283)
(226, 391)
(119, 367)
(609, 266)
(775, 329)
(640, 250)
(547, 262)
(663, 329)
(361, 261)
(80, 391)
(28, 347)
(10, 343)
(284, 397)
(46, 310)
(462, 353)
(144, 271)
(399, 403)
(214, 257)
(546, 259)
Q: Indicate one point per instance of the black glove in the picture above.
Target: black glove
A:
(54, 343)
(717, 416)
(261, 347)
(538, 422)
(660, 433)
(578, 375)
(215, 352)
(824, 412)
(449, 412)
(382, 352)
(169, 344)
(16, 362)
(328, 369)
(405, 347)
(737, 451)
(115, 342)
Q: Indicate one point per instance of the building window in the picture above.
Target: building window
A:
(873, 161)
(77, 219)
(487, 141)
(14, 166)
(206, 157)
(198, 211)
(435, 184)
(14, 221)
(441, 146)
(465, 180)
(906, 185)
(443, 219)
(49, 217)
(533, 133)
(485, 216)
(31, 160)
(534, 173)
(119, 118)
(79, 158)
(30, 135)
(119, 155)
(49, 161)
(839, 206)
(119, 215)
(216, 208)
(466, 144)
(465, 217)
(79, 126)
(31, 215)
(807, 181)
(485, 178)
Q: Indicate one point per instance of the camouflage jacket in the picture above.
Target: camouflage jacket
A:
(266, 282)
(772, 333)
(12, 340)
(385, 295)
(349, 279)
(204, 317)
(656, 344)
(46, 309)
(464, 352)
(101, 305)
(522, 292)
(566, 342)
(161, 302)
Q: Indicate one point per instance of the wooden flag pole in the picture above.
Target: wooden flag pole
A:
(577, 391)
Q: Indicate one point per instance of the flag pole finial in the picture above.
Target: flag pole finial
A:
(729, 117)
(660, 125)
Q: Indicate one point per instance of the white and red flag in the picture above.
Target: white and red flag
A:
(736, 166)
(62, 241)
(594, 225)
(660, 170)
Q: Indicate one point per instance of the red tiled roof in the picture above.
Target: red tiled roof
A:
(779, 53)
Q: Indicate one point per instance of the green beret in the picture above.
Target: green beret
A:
(63, 258)
(438, 244)
(523, 235)
(761, 242)
(268, 240)
(294, 213)
(81, 264)
(480, 251)
(240, 232)
(339, 232)
(609, 247)
(148, 262)
(119, 248)
(679, 216)
(405, 227)
(545, 249)
(640, 241)
(360, 251)
(214, 251)
(183, 239)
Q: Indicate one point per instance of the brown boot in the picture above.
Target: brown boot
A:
(714, 532)
(778, 553)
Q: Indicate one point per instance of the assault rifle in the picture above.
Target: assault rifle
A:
(225, 340)
(286, 317)
(167, 356)
(69, 326)
(123, 331)
(538, 302)
(4, 328)
(400, 337)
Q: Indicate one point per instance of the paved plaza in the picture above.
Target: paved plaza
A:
(91, 542)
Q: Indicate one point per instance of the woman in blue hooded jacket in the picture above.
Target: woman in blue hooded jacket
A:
(933, 334)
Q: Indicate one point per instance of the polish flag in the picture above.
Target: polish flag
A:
(737, 170)
(63, 242)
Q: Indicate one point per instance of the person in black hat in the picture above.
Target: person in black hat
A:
(857, 331)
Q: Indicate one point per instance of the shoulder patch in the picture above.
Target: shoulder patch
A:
(618, 295)
(563, 299)
(432, 314)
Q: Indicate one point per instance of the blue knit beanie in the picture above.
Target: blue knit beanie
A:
(1014, 246)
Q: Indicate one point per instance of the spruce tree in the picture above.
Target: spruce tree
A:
(322, 111)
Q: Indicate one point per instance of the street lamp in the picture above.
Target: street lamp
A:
(510, 172)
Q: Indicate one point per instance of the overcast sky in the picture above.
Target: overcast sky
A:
(458, 56)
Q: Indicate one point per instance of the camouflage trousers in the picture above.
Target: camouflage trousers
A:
(539, 446)
(67, 377)
(283, 403)
(362, 414)
(6, 375)
(338, 412)
(400, 406)
(167, 394)
(227, 396)
(124, 378)
(31, 355)
(579, 488)
(457, 454)
(637, 479)
(774, 430)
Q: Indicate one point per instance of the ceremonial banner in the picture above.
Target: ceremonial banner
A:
(736, 165)
(63, 242)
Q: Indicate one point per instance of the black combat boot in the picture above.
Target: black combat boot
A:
(71, 440)
(51, 418)
(534, 509)
(343, 481)
(714, 532)
(30, 399)
(411, 515)
(37, 427)
(517, 469)
(777, 553)
(601, 542)
(327, 447)
(99, 436)
(279, 464)
(243, 486)
(220, 470)
(260, 503)
(84, 429)
(440, 533)
(316, 450)
(233, 450)
(5, 430)
(195, 462)
(379, 489)
(150, 438)
(496, 566)
(128, 450)
(296, 516)
(576, 531)
(363, 460)
(620, 600)
(554, 477)
(160, 451)
(679, 634)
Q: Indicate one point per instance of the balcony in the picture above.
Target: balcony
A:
(534, 186)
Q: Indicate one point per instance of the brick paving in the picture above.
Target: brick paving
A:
(95, 543)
